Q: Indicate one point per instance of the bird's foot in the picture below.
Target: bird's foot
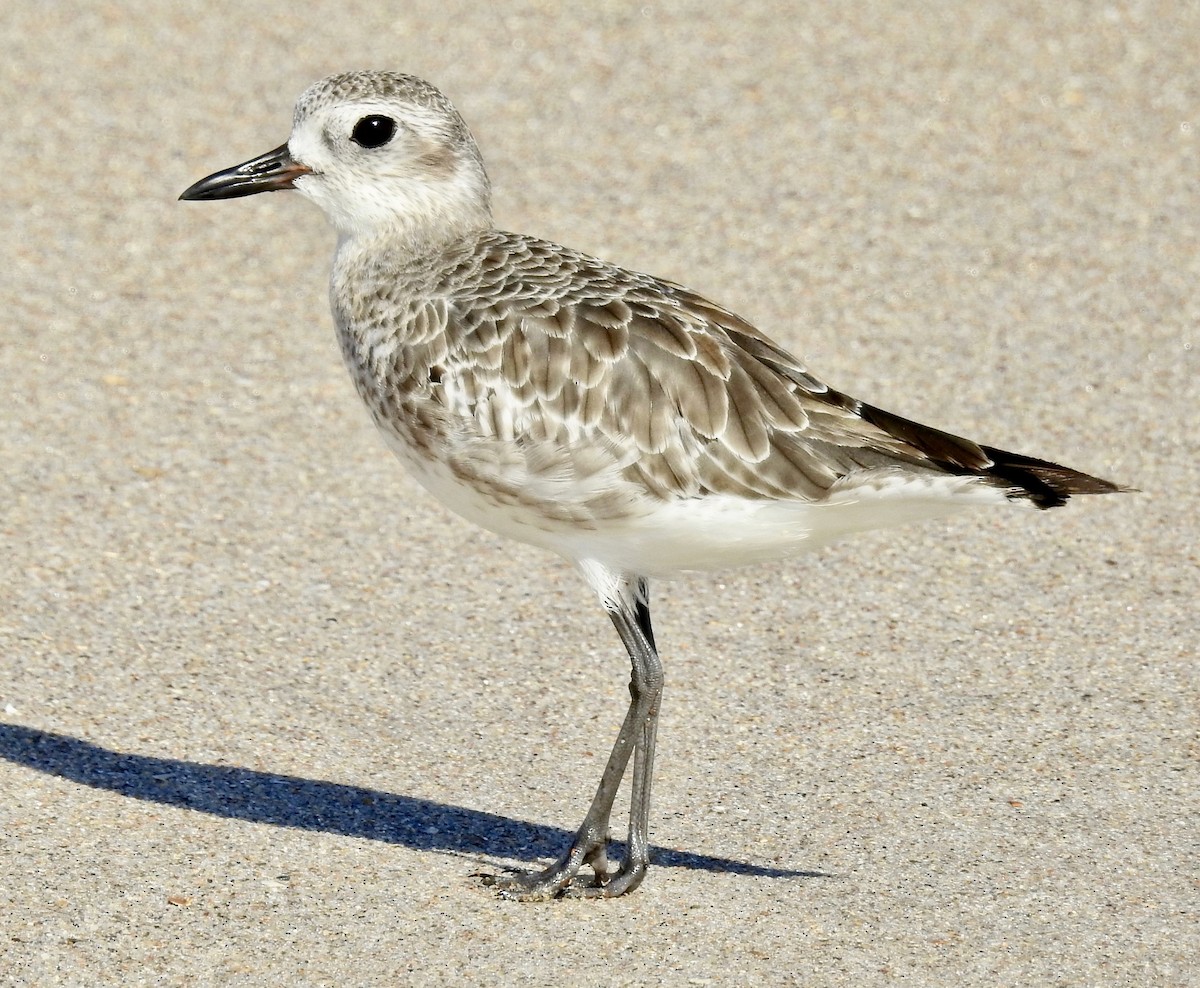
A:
(562, 879)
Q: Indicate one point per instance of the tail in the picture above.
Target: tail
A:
(1024, 478)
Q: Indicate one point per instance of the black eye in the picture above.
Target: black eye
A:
(373, 131)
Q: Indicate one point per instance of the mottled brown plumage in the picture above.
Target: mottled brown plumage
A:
(502, 339)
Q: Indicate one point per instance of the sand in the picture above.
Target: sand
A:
(265, 707)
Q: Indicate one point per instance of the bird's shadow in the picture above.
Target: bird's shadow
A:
(312, 804)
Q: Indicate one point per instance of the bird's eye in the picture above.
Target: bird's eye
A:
(373, 131)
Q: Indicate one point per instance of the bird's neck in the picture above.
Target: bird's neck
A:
(419, 218)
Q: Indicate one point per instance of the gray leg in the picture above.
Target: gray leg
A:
(630, 614)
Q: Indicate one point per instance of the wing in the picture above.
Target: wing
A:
(593, 371)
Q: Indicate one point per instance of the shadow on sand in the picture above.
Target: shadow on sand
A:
(310, 804)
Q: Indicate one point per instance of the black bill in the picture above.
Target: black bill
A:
(268, 172)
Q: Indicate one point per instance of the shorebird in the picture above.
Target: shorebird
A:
(617, 419)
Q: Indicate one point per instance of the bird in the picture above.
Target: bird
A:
(620, 420)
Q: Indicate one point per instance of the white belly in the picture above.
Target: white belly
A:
(663, 539)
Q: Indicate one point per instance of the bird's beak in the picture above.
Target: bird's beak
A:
(268, 172)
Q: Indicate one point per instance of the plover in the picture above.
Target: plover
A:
(617, 419)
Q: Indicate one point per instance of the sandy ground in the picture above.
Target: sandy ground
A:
(265, 708)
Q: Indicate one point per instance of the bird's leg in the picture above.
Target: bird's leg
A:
(647, 681)
(631, 616)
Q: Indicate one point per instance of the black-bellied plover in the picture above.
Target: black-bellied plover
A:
(617, 419)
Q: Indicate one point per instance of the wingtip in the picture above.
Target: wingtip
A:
(1046, 484)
